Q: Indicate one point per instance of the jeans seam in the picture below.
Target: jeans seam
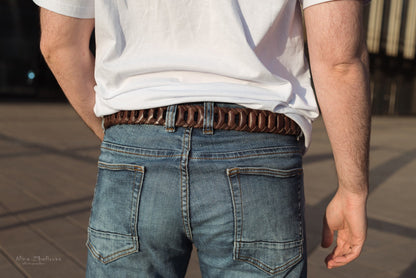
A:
(270, 270)
(233, 207)
(103, 259)
(187, 188)
(128, 167)
(242, 215)
(147, 155)
(97, 255)
(132, 230)
(300, 208)
(184, 182)
(276, 173)
(242, 156)
(135, 222)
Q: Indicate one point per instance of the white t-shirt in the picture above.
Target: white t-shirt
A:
(153, 53)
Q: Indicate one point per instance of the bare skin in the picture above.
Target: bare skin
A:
(65, 46)
(340, 71)
(339, 64)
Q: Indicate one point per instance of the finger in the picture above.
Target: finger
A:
(347, 245)
(339, 251)
(349, 256)
(327, 234)
(342, 248)
(329, 260)
(343, 257)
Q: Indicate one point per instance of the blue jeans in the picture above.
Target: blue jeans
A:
(236, 196)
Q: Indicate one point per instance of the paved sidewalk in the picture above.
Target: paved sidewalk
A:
(47, 176)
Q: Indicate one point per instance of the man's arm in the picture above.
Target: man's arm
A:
(339, 63)
(65, 46)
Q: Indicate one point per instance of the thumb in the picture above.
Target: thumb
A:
(327, 234)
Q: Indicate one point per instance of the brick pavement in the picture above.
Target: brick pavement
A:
(47, 174)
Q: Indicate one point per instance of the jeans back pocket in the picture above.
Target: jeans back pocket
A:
(112, 231)
(268, 217)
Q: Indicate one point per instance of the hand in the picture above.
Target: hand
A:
(346, 214)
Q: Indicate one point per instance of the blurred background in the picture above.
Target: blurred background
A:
(391, 39)
(48, 157)
(23, 72)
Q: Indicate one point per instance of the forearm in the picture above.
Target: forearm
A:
(339, 63)
(343, 94)
(65, 46)
(74, 71)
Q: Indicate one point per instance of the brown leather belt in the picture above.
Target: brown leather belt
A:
(227, 118)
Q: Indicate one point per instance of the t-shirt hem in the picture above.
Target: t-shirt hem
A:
(308, 3)
(77, 11)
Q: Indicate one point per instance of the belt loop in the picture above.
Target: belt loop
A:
(170, 118)
(208, 118)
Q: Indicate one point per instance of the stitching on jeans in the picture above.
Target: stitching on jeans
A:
(103, 234)
(285, 245)
(278, 269)
(187, 188)
(240, 156)
(186, 227)
(281, 268)
(300, 208)
(199, 158)
(241, 212)
(272, 172)
(148, 155)
(102, 258)
(234, 205)
(275, 174)
(132, 199)
(136, 218)
(181, 179)
(127, 167)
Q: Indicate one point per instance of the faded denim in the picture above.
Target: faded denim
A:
(236, 196)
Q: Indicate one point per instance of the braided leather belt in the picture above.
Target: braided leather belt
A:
(226, 118)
